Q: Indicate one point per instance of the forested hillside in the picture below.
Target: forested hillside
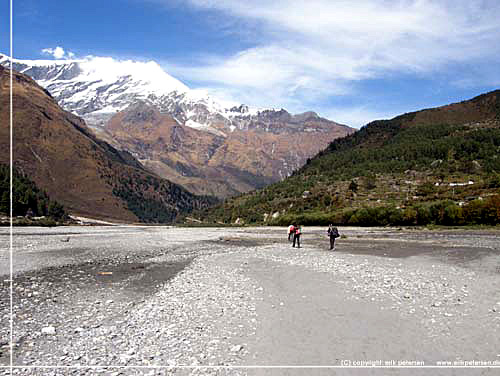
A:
(433, 166)
(27, 198)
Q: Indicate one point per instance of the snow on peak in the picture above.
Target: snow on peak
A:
(35, 63)
(3, 58)
(108, 69)
(152, 77)
(97, 87)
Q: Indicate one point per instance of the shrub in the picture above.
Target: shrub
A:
(473, 212)
(424, 215)
(395, 216)
(491, 210)
(452, 215)
(410, 217)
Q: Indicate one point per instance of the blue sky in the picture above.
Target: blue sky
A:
(350, 61)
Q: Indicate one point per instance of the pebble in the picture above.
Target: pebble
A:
(49, 330)
(236, 348)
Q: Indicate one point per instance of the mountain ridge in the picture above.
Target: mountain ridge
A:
(56, 150)
(219, 162)
(435, 165)
(239, 148)
(103, 79)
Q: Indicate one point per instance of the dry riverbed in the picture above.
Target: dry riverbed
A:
(98, 299)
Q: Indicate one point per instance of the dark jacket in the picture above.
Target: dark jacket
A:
(333, 232)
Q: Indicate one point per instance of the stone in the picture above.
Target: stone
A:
(236, 348)
(50, 330)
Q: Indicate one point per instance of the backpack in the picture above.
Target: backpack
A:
(335, 232)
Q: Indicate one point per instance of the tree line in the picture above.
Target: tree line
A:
(27, 198)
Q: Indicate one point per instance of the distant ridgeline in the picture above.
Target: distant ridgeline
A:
(435, 166)
(28, 199)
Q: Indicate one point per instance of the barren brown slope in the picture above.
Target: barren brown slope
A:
(173, 151)
(483, 107)
(222, 161)
(56, 150)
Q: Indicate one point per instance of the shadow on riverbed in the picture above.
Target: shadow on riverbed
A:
(478, 258)
(445, 248)
(140, 276)
(81, 289)
(243, 241)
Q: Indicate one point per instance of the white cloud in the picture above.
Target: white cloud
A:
(270, 75)
(308, 50)
(353, 40)
(58, 53)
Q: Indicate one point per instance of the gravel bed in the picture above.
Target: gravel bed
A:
(183, 297)
(449, 301)
(201, 316)
(198, 318)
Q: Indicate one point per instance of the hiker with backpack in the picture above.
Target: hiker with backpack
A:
(296, 236)
(291, 231)
(333, 233)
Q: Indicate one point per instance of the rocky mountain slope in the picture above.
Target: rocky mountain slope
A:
(224, 149)
(438, 165)
(56, 150)
(220, 162)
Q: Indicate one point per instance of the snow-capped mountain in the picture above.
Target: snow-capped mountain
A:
(96, 88)
(185, 135)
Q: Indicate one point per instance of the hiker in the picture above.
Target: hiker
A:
(296, 236)
(291, 231)
(333, 233)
